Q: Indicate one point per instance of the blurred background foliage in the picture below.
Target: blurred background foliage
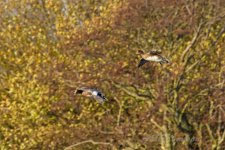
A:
(49, 48)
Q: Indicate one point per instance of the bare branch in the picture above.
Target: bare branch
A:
(219, 35)
(157, 125)
(210, 132)
(187, 7)
(192, 42)
(88, 141)
(120, 111)
(131, 93)
(192, 66)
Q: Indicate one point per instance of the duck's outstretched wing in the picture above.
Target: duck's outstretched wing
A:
(100, 97)
(142, 62)
(154, 52)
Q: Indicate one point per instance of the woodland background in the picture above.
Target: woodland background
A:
(48, 48)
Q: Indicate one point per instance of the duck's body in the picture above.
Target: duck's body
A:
(92, 93)
(152, 55)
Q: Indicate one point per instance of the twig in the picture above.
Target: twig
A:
(192, 42)
(187, 7)
(210, 133)
(192, 66)
(218, 138)
(178, 83)
(120, 111)
(87, 141)
(219, 35)
(214, 42)
(221, 137)
(157, 125)
(130, 93)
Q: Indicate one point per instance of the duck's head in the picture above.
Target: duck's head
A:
(140, 52)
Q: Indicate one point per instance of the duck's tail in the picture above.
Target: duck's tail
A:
(102, 99)
(165, 60)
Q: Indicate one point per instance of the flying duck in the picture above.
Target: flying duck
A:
(92, 93)
(152, 55)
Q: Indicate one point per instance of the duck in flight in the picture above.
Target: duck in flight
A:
(152, 55)
(92, 93)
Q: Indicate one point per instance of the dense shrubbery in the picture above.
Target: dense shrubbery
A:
(48, 49)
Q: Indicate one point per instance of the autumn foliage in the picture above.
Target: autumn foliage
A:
(49, 48)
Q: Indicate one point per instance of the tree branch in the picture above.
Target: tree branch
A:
(145, 97)
(192, 42)
(88, 141)
(120, 111)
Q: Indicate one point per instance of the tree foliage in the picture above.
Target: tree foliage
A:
(49, 48)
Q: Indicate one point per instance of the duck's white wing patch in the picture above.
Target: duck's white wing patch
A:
(154, 58)
(95, 93)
